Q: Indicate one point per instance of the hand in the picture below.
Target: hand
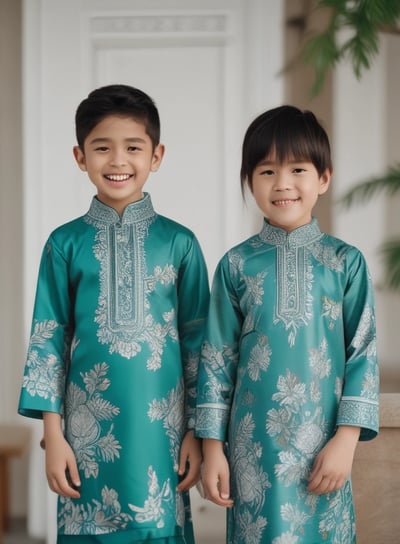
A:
(332, 466)
(189, 462)
(61, 468)
(215, 473)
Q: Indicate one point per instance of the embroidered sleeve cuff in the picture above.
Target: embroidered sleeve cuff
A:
(360, 412)
(211, 421)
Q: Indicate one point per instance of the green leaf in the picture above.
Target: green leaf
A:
(365, 190)
(321, 52)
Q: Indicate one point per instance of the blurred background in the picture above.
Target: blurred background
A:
(211, 67)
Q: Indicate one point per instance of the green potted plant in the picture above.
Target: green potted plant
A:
(363, 20)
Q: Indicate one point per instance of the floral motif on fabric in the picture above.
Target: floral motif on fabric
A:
(331, 310)
(365, 338)
(191, 365)
(301, 432)
(250, 482)
(159, 505)
(254, 285)
(260, 356)
(45, 372)
(88, 421)
(169, 410)
(96, 518)
(217, 365)
(328, 256)
(337, 523)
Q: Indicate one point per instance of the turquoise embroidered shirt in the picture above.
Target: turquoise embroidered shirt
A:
(116, 334)
(289, 354)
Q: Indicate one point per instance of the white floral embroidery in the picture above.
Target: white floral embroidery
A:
(85, 410)
(365, 334)
(370, 385)
(45, 372)
(170, 411)
(259, 358)
(159, 501)
(250, 529)
(319, 363)
(286, 538)
(250, 482)
(98, 518)
(331, 310)
(292, 393)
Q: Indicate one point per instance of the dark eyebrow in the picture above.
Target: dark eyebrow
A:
(108, 140)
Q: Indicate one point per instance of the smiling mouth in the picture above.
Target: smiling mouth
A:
(285, 202)
(118, 177)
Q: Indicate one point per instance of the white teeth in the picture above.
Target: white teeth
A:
(118, 177)
(283, 202)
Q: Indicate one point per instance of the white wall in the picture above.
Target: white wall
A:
(365, 142)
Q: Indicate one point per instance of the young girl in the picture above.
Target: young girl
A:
(288, 376)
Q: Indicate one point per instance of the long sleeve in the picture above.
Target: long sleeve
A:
(359, 402)
(218, 362)
(43, 384)
(193, 298)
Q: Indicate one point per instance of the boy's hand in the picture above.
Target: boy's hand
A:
(332, 466)
(215, 473)
(189, 462)
(61, 468)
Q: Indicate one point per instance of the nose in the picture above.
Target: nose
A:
(282, 182)
(118, 158)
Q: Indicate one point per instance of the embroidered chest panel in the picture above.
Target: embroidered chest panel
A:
(123, 314)
(293, 296)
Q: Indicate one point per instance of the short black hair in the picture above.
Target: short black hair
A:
(289, 134)
(120, 100)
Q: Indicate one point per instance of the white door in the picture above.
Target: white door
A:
(210, 66)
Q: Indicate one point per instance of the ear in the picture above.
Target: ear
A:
(79, 157)
(158, 155)
(324, 181)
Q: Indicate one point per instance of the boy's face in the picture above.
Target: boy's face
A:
(118, 157)
(287, 193)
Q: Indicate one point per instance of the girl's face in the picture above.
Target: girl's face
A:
(118, 157)
(287, 192)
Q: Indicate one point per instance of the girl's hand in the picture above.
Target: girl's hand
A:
(332, 466)
(189, 462)
(215, 473)
(61, 468)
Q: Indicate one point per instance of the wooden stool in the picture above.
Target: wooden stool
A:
(14, 439)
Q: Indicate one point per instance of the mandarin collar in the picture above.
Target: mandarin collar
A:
(301, 236)
(133, 213)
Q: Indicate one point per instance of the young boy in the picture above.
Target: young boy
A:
(288, 375)
(118, 320)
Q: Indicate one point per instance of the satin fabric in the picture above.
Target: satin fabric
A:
(116, 334)
(289, 355)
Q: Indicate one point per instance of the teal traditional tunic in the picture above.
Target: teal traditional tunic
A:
(289, 354)
(116, 335)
